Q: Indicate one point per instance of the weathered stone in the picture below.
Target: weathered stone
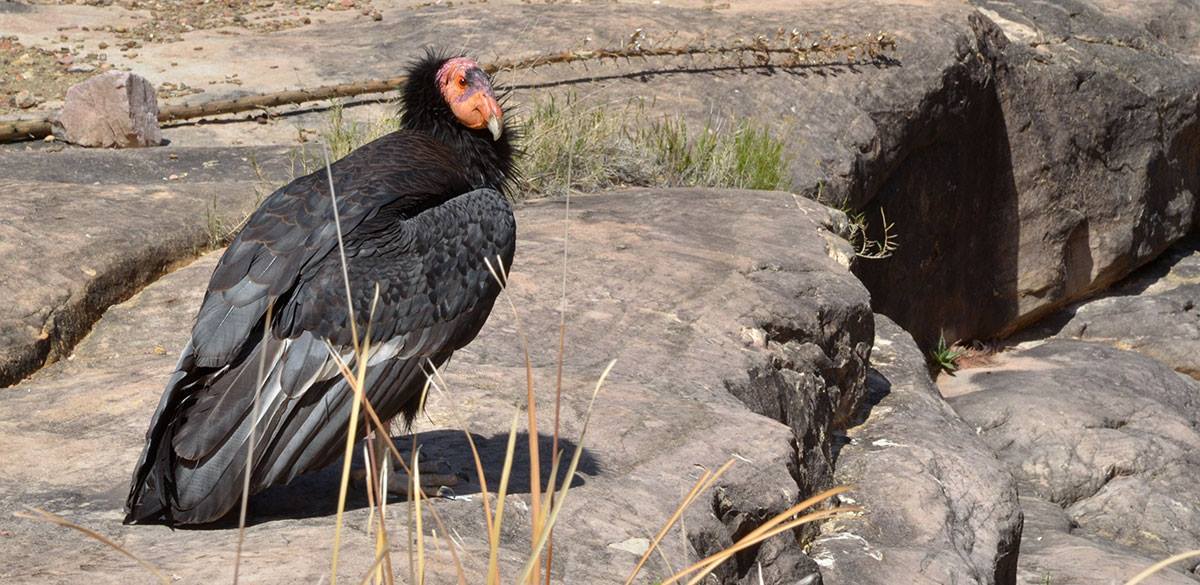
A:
(112, 110)
(1108, 436)
(1153, 312)
(25, 100)
(81, 230)
(665, 282)
(939, 506)
(1016, 146)
(1052, 552)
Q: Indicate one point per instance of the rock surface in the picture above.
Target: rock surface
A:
(1153, 312)
(1054, 144)
(939, 506)
(1105, 447)
(669, 283)
(82, 230)
(116, 109)
(1066, 157)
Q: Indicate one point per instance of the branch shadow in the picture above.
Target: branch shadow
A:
(821, 69)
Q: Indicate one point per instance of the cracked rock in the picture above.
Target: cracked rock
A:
(1104, 439)
(938, 507)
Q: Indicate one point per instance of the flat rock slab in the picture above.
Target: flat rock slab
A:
(1106, 440)
(81, 230)
(939, 507)
(668, 283)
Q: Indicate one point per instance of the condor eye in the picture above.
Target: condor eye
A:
(462, 82)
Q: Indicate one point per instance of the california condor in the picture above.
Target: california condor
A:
(420, 210)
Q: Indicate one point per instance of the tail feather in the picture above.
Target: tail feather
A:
(150, 492)
(298, 430)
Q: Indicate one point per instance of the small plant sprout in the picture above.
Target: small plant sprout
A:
(945, 357)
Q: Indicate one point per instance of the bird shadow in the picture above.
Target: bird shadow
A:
(442, 452)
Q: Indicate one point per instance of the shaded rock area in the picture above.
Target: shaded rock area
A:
(667, 282)
(1060, 154)
(1153, 312)
(81, 230)
(1105, 448)
(939, 506)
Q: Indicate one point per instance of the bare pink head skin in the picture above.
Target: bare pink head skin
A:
(468, 92)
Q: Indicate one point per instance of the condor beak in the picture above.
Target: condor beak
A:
(493, 125)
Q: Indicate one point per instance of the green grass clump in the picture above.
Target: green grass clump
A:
(740, 155)
(572, 146)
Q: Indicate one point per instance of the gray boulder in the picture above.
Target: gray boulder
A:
(1054, 551)
(939, 506)
(1107, 436)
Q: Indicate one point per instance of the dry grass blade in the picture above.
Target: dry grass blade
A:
(262, 366)
(493, 569)
(776, 525)
(379, 559)
(706, 480)
(483, 486)
(707, 566)
(1156, 567)
(540, 542)
(415, 492)
(44, 516)
(535, 472)
(361, 354)
(537, 514)
(379, 427)
(558, 384)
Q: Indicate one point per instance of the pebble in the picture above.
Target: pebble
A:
(25, 100)
(81, 68)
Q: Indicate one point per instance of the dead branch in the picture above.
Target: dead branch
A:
(786, 49)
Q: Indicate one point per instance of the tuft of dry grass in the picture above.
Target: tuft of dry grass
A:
(570, 144)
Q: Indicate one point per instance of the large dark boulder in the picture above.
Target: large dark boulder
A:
(1064, 153)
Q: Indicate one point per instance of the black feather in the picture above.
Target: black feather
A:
(420, 210)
